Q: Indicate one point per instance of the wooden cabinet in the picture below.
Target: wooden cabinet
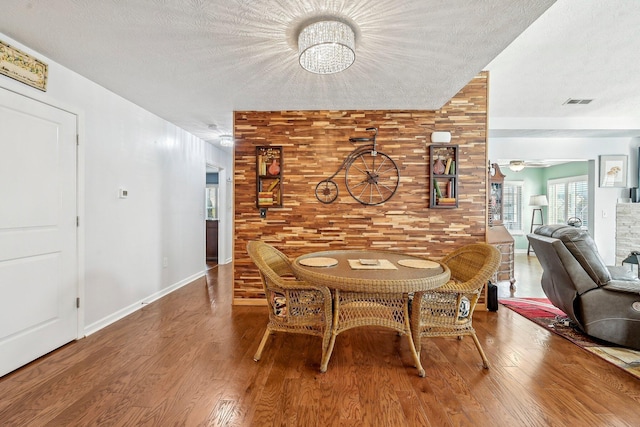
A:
(497, 234)
(500, 237)
(443, 176)
(212, 240)
(495, 208)
(269, 177)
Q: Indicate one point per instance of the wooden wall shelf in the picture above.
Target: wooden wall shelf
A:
(443, 176)
(269, 177)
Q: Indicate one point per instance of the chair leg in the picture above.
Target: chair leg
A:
(485, 361)
(258, 354)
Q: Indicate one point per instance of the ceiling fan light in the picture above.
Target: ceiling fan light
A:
(516, 165)
(226, 140)
(326, 47)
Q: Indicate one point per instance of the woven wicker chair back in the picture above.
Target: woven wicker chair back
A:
(272, 263)
(473, 265)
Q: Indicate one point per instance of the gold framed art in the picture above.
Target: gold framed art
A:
(23, 67)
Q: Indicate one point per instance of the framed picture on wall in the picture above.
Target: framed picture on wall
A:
(613, 171)
(23, 67)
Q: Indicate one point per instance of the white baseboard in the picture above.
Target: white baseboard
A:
(112, 318)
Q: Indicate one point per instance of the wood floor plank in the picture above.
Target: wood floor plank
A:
(187, 359)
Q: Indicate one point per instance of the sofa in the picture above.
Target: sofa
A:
(603, 301)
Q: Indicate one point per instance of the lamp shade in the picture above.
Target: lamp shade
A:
(538, 200)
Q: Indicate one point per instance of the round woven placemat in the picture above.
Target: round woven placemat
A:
(418, 263)
(319, 262)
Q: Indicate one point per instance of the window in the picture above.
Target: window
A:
(568, 198)
(512, 205)
(212, 201)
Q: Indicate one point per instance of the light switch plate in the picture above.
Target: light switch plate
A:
(123, 193)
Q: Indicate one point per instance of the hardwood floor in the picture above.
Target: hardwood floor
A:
(186, 360)
(527, 271)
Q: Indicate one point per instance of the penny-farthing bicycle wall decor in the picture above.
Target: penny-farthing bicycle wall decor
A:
(371, 176)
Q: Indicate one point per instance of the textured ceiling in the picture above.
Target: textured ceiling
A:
(577, 49)
(194, 62)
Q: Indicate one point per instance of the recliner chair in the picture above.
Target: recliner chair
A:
(603, 301)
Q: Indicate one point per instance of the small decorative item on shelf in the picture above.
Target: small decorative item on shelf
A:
(274, 167)
(265, 198)
(438, 167)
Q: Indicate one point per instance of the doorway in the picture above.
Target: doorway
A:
(212, 216)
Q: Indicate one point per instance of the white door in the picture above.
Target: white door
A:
(38, 248)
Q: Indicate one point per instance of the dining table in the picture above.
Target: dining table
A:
(371, 288)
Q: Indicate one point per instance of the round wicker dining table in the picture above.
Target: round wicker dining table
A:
(371, 288)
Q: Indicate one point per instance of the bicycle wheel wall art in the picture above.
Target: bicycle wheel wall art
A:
(371, 176)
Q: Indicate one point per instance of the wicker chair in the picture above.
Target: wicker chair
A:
(448, 310)
(294, 306)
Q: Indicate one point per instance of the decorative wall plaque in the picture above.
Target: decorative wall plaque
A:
(23, 67)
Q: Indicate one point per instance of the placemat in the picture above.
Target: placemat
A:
(384, 264)
(319, 262)
(418, 263)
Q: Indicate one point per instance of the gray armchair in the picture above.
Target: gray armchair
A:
(603, 301)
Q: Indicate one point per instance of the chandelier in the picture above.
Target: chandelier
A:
(326, 47)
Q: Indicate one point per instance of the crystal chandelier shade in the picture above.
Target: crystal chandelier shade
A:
(326, 47)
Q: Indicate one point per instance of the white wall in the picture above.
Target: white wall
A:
(604, 227)
(123, 242)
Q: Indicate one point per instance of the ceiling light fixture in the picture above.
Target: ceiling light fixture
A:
(516, 165)
(326, 47)
(226, 140)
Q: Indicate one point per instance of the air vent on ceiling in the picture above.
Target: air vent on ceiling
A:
(572, 101)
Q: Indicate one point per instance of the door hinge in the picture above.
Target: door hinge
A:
(77, 221)
(77, 140)
(78, 302)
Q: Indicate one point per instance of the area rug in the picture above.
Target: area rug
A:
(545, 314)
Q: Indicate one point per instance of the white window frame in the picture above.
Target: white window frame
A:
(520, 185)
(566, 181)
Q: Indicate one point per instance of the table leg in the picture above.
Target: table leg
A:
(334, 331)
(412, 347)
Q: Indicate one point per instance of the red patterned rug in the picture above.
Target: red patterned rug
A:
(545, 314)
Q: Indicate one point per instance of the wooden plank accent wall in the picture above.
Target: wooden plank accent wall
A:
(315, 144)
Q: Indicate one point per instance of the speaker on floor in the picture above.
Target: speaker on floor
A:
(492, 297)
